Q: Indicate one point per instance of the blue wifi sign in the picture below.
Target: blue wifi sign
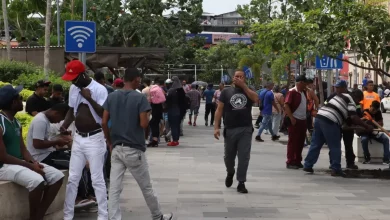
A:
(80, 37)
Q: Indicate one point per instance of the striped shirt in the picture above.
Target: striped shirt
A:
(338, 108)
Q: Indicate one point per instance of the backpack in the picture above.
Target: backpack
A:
(157, 95)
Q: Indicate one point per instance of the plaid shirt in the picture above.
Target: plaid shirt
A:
(194, 96)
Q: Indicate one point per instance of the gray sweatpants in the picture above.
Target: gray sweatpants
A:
(122, 158)
(238, 142)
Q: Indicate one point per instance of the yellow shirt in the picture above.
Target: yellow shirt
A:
(369, 97)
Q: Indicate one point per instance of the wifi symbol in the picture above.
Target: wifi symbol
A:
(80, 34)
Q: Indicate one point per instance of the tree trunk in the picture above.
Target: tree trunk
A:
(46, 60)
(6, 29)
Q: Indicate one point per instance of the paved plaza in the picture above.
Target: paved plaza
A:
(189, 180)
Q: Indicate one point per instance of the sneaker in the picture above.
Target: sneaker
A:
(207, 124)
(167, 139)
(258, 139)
(308, 170)
(84, 204)
(173, 144)
(292, 167)
(257, 126)
(189, 123)
(241, 188)
(211, 124)
(352, 166)
(194, 124)
(367, 161)
(229, 180)
(275, 138)
(386, 162)
(167, 217)
(300, 165)
(338, 173)
(153, 144)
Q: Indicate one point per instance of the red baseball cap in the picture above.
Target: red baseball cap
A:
(73, 70)
(118, 82)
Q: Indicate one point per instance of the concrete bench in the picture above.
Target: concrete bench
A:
(376, 150)
(15, 205)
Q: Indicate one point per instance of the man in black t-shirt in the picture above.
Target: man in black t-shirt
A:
(36, 102)
(374, 113)
(235, 103)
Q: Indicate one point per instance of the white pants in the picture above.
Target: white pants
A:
(122, 158)
(28, 178)
(93, 150)
(276, 118)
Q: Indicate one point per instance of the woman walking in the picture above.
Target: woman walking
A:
(277, 116)
(176, 108)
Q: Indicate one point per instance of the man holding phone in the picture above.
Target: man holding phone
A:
(86, 97)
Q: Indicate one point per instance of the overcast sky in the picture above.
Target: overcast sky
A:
(222, 6)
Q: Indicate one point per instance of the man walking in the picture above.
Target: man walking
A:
(128, 112)
(194, 96)
(86, 97)
(236, 104)
(210, 105)
(295, 107)
(267, 100)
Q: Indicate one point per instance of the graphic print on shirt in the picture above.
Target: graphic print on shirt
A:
(238, 101)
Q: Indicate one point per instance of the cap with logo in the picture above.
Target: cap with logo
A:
(73, 70)
(300, 78)
(42, 83)
(8, 93)
(341, 83)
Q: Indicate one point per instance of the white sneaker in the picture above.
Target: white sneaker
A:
(167, 216)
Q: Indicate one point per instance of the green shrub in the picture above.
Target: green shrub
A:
(25, 93)
(4, 84)
(28, 80)
(10, 70)
(25, 120)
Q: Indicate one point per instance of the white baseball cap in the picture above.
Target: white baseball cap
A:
(168, 81)
(387, 91)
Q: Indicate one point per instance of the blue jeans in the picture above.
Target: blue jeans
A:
(329, 132)
(381, 139)
(174, 122)
(266, 124)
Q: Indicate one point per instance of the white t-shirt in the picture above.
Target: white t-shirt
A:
(146, 91)
(98, 93)
(300, 113)
(39, 129)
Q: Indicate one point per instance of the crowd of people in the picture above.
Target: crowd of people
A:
(104, 129)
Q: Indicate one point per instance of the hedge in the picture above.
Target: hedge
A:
(25, 93)
(25, 120)
(28, 81)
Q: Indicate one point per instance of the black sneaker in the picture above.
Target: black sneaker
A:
(241, 188)
(300, 166)
(352, 166)
(386, 162)
(292, 167)
(258, 139)
(153, 144)
(308, 170)
(167, 139)
(207, 124)
(367, 161)
(275, 138)
(257, 126)
(229, 180)
(338, 173)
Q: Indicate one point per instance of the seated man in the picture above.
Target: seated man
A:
(46, 147)
(17, 165)
(374, 113)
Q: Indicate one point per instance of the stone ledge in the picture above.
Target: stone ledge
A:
(14, 202)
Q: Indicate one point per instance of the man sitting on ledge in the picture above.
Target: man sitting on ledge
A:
(17, 165)
(374, 113)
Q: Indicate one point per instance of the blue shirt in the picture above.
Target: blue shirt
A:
(267, 97)
(209, 94)
(284, 92)
(365, 82)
